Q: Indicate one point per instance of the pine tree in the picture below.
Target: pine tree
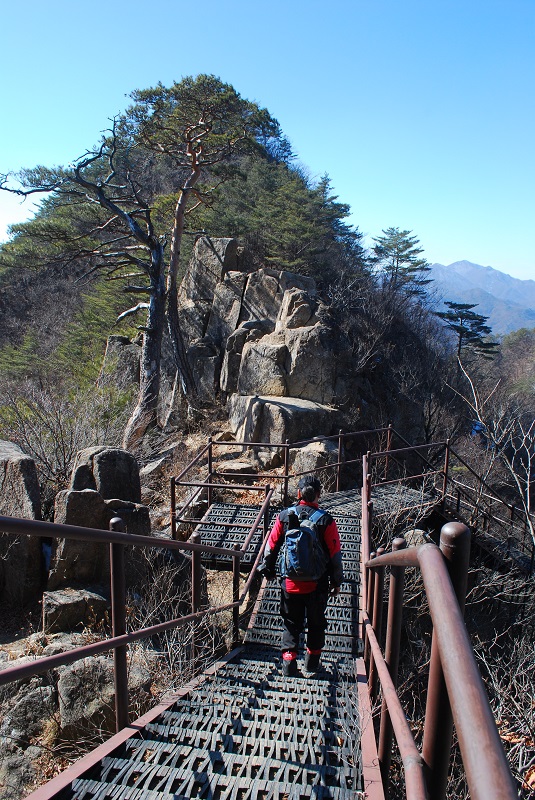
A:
(470, 328)
(397, 256)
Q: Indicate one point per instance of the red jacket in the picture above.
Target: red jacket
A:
(332, 541)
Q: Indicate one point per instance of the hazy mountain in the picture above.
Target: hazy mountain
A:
(508, 302)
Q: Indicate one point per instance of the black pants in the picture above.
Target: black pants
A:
(294, 608)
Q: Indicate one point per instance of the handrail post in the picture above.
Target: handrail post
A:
(446, 469)
(196, 577)
(173, 509)
(210, 468)
(438, 725)
(286, 470)
(266, 512)
(388, 448)
(377, 621)
(118, 621)
(370, 586)
(392, 651)
(338, 468)
(236, 597)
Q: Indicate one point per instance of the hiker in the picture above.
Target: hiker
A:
(310, 569)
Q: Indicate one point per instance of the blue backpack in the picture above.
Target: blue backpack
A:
(304, 555)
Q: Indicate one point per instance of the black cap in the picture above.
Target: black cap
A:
(310, 488)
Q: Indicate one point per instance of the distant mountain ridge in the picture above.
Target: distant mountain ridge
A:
(508, 302)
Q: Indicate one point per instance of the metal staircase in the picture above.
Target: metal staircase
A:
(245, 731)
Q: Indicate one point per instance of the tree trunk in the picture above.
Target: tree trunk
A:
(173, 322)
(144, 414)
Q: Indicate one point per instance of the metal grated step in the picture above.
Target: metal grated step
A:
(204, 786)
(246, 732)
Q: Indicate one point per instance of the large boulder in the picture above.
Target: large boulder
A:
(298, 309)
(226, 308)
(247, 332)
(211, 260)
(67, 609)
(299, 362)
(205, 361)
(87, 697)
(112, 472)
(73, 561)
(21, 568)
(313, 457)
(312, 363)
(264, 293)
(262, 368)
(275, 419)
(87, 563)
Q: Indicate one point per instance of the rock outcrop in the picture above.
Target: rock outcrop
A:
(21, 572)
(111, 472)
(105, 484)
(262, 339)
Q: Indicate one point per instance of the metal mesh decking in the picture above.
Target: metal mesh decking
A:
(246, 732)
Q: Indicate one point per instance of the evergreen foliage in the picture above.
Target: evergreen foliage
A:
(396, 256)
(470, 329)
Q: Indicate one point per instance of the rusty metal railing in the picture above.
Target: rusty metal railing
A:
(456, 694)
(479, 505)
(211, 478)
(118, 539)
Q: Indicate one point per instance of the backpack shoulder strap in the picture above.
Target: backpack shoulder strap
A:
(320, 515)
(286, 517)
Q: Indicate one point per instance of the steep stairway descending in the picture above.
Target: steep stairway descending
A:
(246, 731)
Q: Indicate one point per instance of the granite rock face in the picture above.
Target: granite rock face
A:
(112, 472)
(261, 333)
(68, 609)
(21, 568)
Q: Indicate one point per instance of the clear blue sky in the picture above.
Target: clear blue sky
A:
(421, 111)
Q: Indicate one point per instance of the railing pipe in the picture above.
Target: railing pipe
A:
(47, 663)
(191, 464)
(236, 598)
(187, 504)
(392, 651)
(261, 514)
(438, 726)
(406, 478)
(411, 449)
(388, 448)
(377, 621)
(334, 437)
(173, 508)
(196, 573)
(487, 770)
(118, 620)
(266, 507)
(210, 469)
(50, 529)
(339, 464)
(412, 761)
(446, 471)
(368, 608)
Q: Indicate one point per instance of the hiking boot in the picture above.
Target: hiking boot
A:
(312, 662)
(289, 665)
